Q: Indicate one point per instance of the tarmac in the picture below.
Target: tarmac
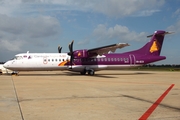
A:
(109, 95)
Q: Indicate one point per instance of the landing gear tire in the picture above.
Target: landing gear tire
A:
(91, 72)
(15, 73)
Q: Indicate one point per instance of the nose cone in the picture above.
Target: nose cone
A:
(6, 65)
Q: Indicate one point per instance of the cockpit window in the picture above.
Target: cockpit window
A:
(18, 58)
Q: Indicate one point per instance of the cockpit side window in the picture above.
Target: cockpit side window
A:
(18, 58)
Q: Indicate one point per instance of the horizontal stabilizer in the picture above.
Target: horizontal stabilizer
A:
(158, 34)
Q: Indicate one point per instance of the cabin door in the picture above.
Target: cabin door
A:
(45, 60)
(132, 59)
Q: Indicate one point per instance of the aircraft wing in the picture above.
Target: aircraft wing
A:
(107, 49)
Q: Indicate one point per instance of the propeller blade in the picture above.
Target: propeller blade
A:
(71, 47)
(59, 49)
(71, 53)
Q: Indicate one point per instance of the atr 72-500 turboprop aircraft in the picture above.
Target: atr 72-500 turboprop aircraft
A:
(90, 60)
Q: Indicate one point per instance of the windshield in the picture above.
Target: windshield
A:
(17, 58)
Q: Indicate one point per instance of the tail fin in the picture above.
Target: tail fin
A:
(153, 47)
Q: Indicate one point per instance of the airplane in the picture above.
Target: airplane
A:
(91, 60)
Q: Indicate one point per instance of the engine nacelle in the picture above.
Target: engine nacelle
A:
(80, 54)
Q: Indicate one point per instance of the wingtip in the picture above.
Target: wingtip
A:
(170, 32)
(127, 44)
(149, 36)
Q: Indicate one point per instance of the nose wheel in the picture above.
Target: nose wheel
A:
(15, 73)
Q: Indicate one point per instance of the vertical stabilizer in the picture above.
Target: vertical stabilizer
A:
(153, 47)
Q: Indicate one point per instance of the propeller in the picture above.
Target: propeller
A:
(59, 49)
(71, 53)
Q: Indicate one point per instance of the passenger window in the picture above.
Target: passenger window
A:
(111, 59)
(126, 59)
(52, 59)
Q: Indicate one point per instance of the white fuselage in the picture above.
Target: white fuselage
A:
(37, 61)
(60, 61)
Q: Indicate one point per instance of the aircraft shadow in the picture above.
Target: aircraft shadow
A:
(141, 99)
(135, 73)
(109, 75)
(96, 75)
(63, 74)
(106, 75)
(30, 74)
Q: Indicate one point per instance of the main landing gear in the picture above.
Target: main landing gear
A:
(90, 72)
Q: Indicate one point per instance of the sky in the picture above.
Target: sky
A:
(41, 25)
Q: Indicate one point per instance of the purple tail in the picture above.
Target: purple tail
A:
(153, 47)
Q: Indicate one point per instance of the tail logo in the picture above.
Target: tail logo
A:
(155, 46)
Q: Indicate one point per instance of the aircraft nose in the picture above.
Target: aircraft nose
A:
(6, 65)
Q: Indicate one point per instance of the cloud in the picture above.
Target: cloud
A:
(115, 8)
(122, 8)
(84, 42)
(146, 13)
(177, 12)
(112, 8)
(175, 28)
(18, 31)
(118, 32)
(11, 45)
